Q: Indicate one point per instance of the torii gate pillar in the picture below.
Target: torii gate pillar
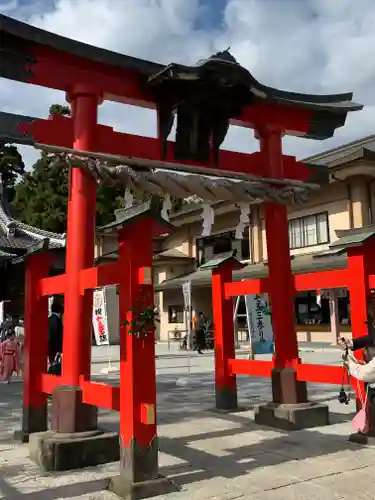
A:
(290, 407)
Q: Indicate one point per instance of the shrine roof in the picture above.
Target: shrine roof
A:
(172, 253)
(151, 208)
(360, 149)
(17, 235)
(19, 40)
(5, 256)
(300, 264)
(348, 238)
(220, 259)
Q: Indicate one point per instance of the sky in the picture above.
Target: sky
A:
(312, 46)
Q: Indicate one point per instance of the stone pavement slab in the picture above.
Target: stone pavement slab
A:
(211, 456)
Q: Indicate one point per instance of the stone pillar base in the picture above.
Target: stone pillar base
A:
(362, 439)
(33, 420)
(53, 451)
(226, 399)
(69, 413)
(135, 491)
(292, 416)
(139, 473)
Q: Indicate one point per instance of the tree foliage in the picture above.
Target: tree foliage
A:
(11, 167)
(41, 197)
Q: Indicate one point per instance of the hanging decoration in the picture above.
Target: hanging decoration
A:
(143, 317)
(167, 207)
(208, 216)
(129, 198)
(208, 188)
(244, 220)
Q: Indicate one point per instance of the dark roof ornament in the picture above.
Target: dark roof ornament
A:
(203, 98)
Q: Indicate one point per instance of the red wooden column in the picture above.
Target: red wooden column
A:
(359, 267)
(288, 393)
(34, 412)
(69, 413)
(139, 469)
(222, 307)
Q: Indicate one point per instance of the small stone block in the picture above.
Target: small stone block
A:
(362, 439)
(292, 416)
(21, 436)
(57, 452)
(145, 489)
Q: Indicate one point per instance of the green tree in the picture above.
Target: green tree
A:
(59, 109)
(41, 197)
(11, 167)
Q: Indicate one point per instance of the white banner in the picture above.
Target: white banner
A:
(186, 291)
(99, 318)
(259, 323)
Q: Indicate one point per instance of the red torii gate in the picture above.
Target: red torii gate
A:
(220, 92)
(358, 277)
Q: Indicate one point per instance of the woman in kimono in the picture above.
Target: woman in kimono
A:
(9, 357)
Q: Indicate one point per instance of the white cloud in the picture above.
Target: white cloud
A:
(307, 46)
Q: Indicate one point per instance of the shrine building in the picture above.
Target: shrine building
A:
(341, 212)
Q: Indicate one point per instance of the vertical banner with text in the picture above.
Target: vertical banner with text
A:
(259, 323)
(99, 318)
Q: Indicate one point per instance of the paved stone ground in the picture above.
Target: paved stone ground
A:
(211, 456)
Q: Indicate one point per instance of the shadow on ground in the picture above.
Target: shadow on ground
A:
(205, 444)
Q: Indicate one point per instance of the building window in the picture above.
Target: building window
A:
(309, 231)
(245, 244)
(213, 245)
(176, 314)
(222, 243)
(308, 312)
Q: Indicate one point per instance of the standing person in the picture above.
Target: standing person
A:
(55, 330)
(9, 357)
(200, 327)
(366, 340)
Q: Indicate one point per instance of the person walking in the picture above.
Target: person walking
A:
(200, 333)
(55, 330)
(9, 356)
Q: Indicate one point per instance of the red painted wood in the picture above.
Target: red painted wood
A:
(104, 275)
(80, 242)
(247, 287)
(61, 71)
(358, 287)
(101, 395)
(222, 309)
(321, 279)
(36, 330)
(280, 278)
(302, 282)
(53, 285)
(50, 382)
(137, 355)
(253, 368)
(58, 131)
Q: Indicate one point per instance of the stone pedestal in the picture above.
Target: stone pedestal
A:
(74, 440)
(290, 409)
(69, 413)
(139, 473)
(53, 451)
(292, 416)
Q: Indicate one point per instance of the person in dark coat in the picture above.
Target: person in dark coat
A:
(200, 333)
(55, 330)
